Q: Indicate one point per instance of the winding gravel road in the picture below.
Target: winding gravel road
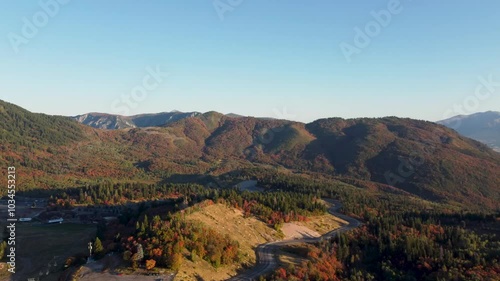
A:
(267, 259)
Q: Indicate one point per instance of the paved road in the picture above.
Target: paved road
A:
(267, 259)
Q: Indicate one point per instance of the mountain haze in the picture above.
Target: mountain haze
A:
(484, 127)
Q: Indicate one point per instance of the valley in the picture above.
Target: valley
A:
(215, 197)
(249, 140)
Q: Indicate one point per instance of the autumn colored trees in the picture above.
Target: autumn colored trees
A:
(150, 264)
(273, 208)
(401, 239)
(3, 247)
(322, 266)
(98, 248)
(163, 242)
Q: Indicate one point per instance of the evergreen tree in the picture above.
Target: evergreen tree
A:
(98, 248)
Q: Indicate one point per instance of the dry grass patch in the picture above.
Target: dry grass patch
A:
(249, 232)
(294, 254)
(323, 224)
(4, 273)
(294, 230)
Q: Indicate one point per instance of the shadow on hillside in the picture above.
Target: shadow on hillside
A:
(102, 213)
(198, 277)
(192, 178)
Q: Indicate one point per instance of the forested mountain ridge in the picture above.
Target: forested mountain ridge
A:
(21, 127)
(418, 157)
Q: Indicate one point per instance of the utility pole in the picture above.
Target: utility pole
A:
(90, 250)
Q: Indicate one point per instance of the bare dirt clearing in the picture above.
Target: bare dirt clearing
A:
(314, 227)
(323, 224)
(293, 230)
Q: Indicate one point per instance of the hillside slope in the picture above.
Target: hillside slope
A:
(419, 157)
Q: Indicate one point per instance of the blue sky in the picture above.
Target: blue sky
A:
(261, 58)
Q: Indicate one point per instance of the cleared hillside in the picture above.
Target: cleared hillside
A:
(249, 232)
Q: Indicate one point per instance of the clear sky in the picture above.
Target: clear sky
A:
(252, 57)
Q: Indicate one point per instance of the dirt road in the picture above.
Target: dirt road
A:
(267, 259)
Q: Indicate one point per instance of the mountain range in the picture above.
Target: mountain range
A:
(484, 127)
(398, 154)
(110, 121)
